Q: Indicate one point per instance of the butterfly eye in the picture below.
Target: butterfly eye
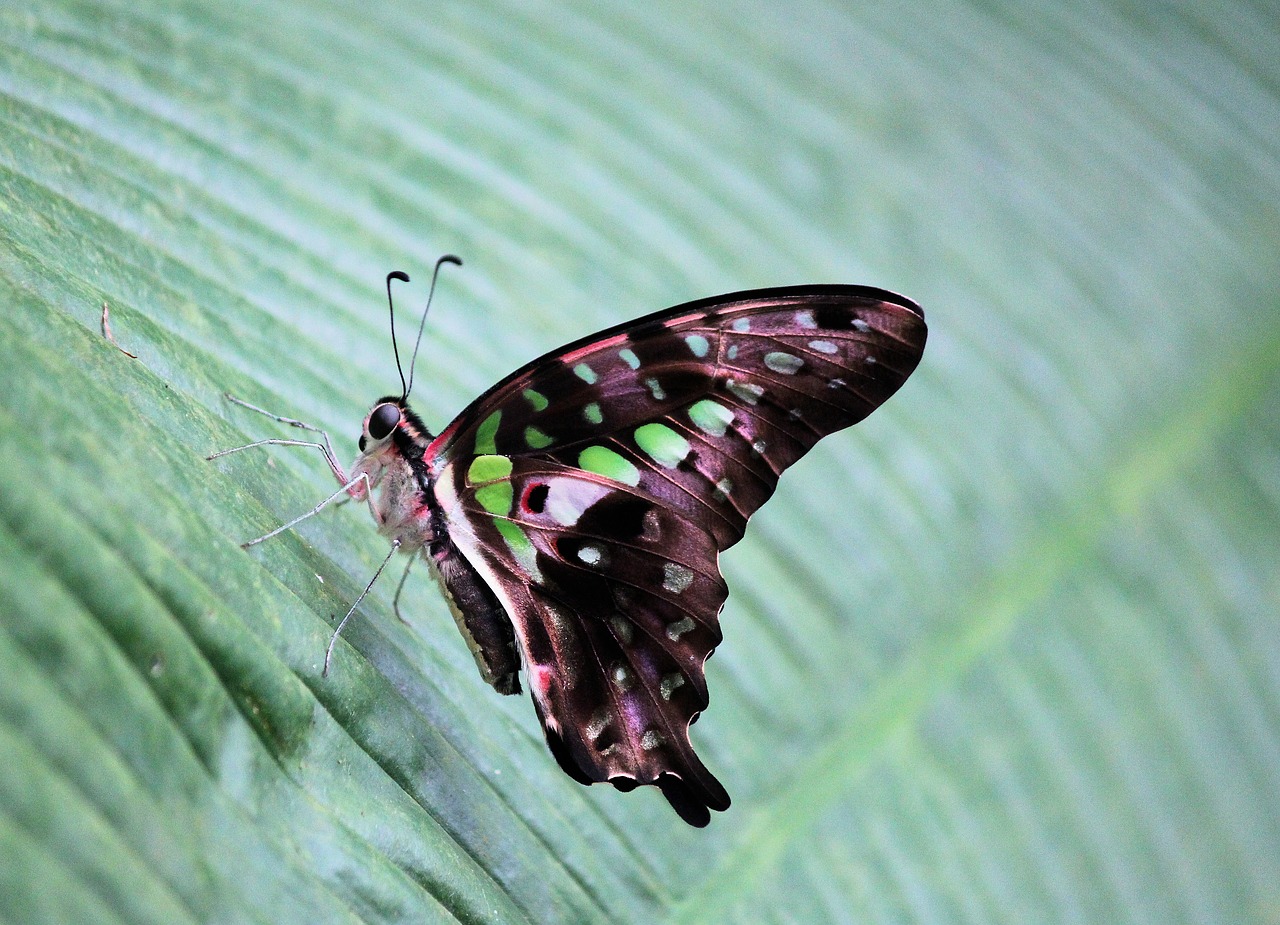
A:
(383, 420)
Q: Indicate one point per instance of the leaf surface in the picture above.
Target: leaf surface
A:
(1007, 651)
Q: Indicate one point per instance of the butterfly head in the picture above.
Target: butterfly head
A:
(379, 424)
(391, 426)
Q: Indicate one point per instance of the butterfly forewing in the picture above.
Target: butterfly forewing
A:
(748, 382)
(594, 488)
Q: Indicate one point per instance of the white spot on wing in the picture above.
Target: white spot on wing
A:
(621, 676)
(784, 363)
(676, 578)
(568, 499)
(622, 629)
(591, 554)
(823, 346)
(747, 391)
(598, 723)
(679, 628)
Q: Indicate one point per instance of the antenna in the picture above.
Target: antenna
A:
(447, 258)
(404, 278)
(421, 326)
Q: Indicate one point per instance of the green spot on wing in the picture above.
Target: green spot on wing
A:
(520, 545)
(629, 357)
(662, 444)
(488, 469)
(698, 344)
(537, 399)
(536, 438)
(492, 474)
(747, 391)
(603, 461)
(486, 432)
(585, 373)
(784, 363)
(710, 417)
(593, 414)
(496, 498)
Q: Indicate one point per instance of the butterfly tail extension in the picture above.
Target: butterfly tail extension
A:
(693, 804)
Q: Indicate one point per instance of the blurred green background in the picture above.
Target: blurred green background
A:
(1007, 652)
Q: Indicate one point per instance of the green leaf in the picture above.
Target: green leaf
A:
(1006, 652)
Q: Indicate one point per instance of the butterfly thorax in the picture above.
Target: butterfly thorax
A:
(405, 507)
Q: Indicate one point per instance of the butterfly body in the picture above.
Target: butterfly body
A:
(574, 513)
(400, 488)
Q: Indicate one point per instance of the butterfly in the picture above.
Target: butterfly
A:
(574, 513)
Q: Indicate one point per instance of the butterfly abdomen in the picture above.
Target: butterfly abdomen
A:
(484, 624)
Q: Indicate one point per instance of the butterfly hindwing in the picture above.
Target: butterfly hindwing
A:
(593, 489)
(616, 598)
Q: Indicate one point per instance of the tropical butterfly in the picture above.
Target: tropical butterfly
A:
(574, 513)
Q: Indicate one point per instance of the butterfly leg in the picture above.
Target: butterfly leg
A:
(395, 603)
(362, 477)
(347, 485)
(340, 496)
(326, 447)
(333, 640)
